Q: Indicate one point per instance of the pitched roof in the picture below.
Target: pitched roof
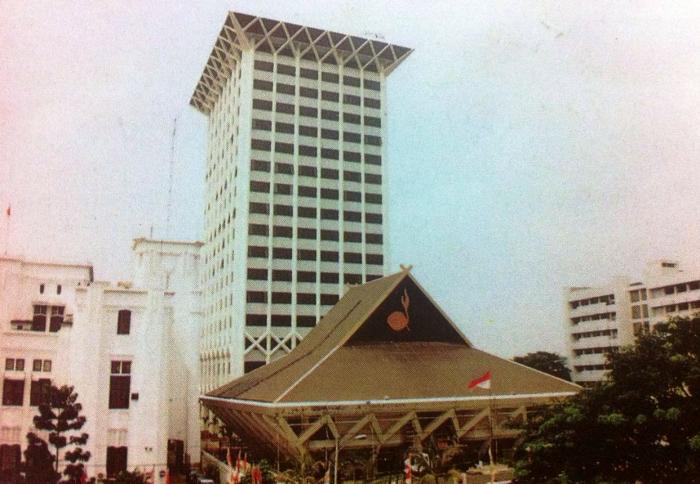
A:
(386, 339)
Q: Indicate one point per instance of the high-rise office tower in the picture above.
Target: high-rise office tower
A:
(295, 183)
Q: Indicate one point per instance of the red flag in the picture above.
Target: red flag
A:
(83, 477)
(484, 381)
(167, 476)
(407, 471)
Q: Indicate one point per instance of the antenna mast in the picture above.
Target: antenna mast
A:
(170, 180)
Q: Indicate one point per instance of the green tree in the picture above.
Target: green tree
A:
(643, 423)
(550, 363)
(59, 415)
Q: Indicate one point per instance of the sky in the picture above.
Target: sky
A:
(533, 145)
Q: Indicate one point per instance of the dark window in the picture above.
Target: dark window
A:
(255, 320)
(116, 460)
(373, 140)
(350, 99)
(283, 188)
(283, 88)
(328, 299)
(329, 173)
(350, 216)
(262, 85)
(308, 92)
(305, 150)
(329, 133)
(329, 96)
(373, 159)
(353, 278)
(58, 289)
(352, 137)
(36, 365)
(373, 85)
(376, 259)
(329, 153)
(306, 254)
(352, 176)
(123, 321)
(329, 256)
(249, 366)
(262, 124)
(329, 214)
(349, 196)
(259, 165)
(352, 156)
(262, 105)
(281, 298)
(373, 121)
(308, 171)
(39, 391)
(284, 148)
(286, 69)
(306, 233)
(10, 459)
(330, 115)
(306, 276)
(306, 298)
(262, 145)
(308, 131)
(352, 257)
(261, 65)
(260, 187)
(281, 275)
(307, 212)
(373, 179)
(257, 274)
(56, 320)
(256, 251)
(285, 168)
(281, 320)
(119, 384)
(284, 128)
(13, 392)
(281, 253)
(41, 289)
(329, 235)
(258, 229)
(283, 210)
(282, 231)
(256, 207)
(285, 108)
(375, 198)
(39, 318)
(14, 364)
(351, 81)
(352, 236)
(306, 321)
(308, 73)
(329, 77)
(308, 111)
(329, 193)
(372, 103)
(352, 118)
(305, 191)
(329, 277)
(373, 218)
(374, 238)
(372, 277)
(256, 297)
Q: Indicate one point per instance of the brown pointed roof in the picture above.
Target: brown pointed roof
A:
(354, 355)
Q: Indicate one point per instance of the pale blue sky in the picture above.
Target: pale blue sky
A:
(532, 145)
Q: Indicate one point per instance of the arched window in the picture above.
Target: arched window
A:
(124, 321)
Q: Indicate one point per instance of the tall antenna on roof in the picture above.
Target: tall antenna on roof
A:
(170, 180)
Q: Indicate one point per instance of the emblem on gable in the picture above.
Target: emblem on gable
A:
(398, 321)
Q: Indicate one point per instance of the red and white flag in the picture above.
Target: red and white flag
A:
(229, 459)
(484, 381)
(407, 471)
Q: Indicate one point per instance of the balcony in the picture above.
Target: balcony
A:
(594, 342)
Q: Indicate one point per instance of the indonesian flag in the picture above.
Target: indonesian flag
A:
(244, 467)
(256, 475)
(229, 459)
(484, 381)
(83, 477)
(407, 471)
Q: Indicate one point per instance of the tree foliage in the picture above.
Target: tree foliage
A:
(544, 361)
(643, 423)
(60, 416)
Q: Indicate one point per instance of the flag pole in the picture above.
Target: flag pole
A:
(491, 463)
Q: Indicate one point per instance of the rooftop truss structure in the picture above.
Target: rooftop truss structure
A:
(247, 32)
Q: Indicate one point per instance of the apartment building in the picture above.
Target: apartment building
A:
(128, 348)
(295, 183)
(600, 320)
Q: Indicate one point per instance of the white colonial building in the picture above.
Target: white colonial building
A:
(295, 183)
(130, 349)
(600, 320)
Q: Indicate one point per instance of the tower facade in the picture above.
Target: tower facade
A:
(295, 183)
